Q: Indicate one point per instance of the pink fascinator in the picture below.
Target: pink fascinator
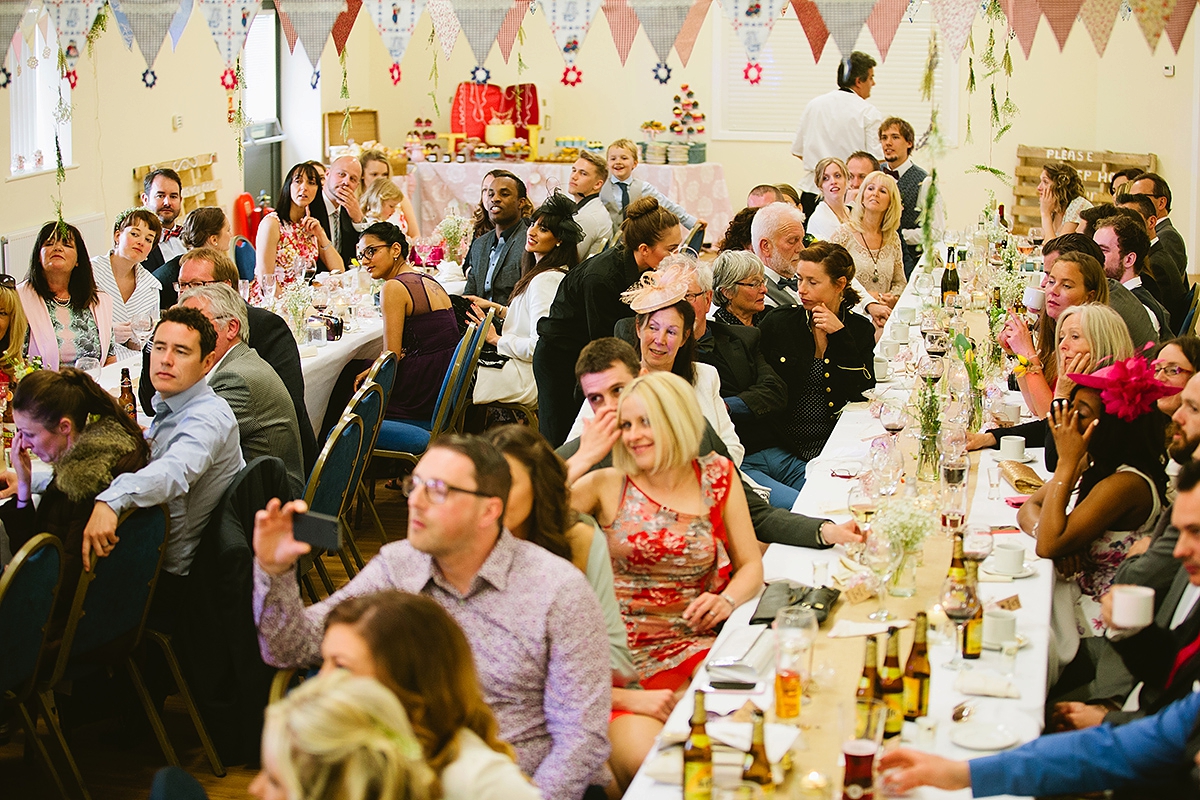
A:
(1128, 388)
(662, 287)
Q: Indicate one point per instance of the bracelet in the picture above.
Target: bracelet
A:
(732, 605)
(325, 246)
(821, 540)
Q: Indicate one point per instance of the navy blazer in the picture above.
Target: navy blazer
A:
(508, 270)
(349, 248)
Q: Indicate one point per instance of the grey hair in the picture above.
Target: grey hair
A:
(731, 268)
(769, 220)
(224, 303)
(688, 263)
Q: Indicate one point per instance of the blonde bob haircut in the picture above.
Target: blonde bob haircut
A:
(891, 218)
(12, 344)
(673, 413)
(342, 737)
(379, 192)
(1106, 333)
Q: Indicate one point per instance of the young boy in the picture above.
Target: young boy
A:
(622, 158)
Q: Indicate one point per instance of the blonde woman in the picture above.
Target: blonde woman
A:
(833, 177)
(1061, 199)
(375, 165)
(13, 326)
(871, 236)
(341, 737)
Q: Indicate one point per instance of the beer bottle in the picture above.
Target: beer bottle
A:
(916, 672)
(9, 424)
(973, 632)
(957, 570)
(758, 768)
(949, 278)
(697, 756)
(996, 302)
(127, 400)
(891, 686)
(866, 685)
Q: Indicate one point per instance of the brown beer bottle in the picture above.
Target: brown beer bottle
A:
(866, 685)
(127, 400)
(697, 756)
(758, 769)
(916, 672)
(891, 686)
(958, 569)
(9, 429)
(973, 632)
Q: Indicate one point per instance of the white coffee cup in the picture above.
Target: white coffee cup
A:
(1132, 606)
(1008, 558)
(890, 349)
(1034, 298)
(999, 626)
(1012, 448)
(899, 333)
(1011, 412)
(906, 314)
(883, 368)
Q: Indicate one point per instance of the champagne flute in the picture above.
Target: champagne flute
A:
(881, 556)
(959, 602)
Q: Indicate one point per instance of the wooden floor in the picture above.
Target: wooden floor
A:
(119, 766)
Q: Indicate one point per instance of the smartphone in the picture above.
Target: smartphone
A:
(319, 530)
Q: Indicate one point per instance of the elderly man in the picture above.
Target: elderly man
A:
(265, 415)
(588, 175)
(339, 212)
(162, 193)
(534, 624)
(493, 264)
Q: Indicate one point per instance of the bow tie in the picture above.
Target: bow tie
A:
(886, 170)
(170, 233)
(788, 283)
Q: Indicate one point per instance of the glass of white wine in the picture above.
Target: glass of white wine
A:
(864, 503)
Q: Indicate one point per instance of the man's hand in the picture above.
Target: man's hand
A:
(275, 548)
(844, 533)
(100, 535)
(879, 313)
(1140, 546)
(599, 435)
(912, 768)
(1077, 716)
(348, 199)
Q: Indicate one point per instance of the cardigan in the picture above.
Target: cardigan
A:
(42, 339)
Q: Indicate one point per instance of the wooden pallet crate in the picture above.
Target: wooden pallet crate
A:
(1095, 167)
(364, 127)
(196, 173)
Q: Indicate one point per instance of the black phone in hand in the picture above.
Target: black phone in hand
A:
(319, 530)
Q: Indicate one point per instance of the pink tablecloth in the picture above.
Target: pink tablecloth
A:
(700, 188)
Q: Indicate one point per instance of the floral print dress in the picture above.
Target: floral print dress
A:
(294, 244)
(663, 560)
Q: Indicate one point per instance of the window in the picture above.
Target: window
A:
(259, 61)
(39, 103)
(770, 110)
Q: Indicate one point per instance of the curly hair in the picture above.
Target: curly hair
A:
(1065, 184)
(737, 235)
(551, 516)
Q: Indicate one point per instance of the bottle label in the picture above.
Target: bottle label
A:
(895, 714)
(916, 697)
(973, 641)
(697, 780)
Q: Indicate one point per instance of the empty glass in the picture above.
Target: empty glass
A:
(90, 365)
(881, 556)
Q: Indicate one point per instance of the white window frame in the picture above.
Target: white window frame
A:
(33, 97)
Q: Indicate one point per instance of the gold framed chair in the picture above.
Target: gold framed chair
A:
(329, 487)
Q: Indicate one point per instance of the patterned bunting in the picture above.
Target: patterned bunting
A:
(883, 22)
(686, 39)
(844, 19)
(569, 21)
(1098, 17)
(1023, 16)
(229, 22)
(1152, 16)
(344, 24)
(954, 19)
(445, 24)
(481, 21)
(511, 26)
(149, 20)
(814, 26)
(1060, 16)
(10, 20)
(662, 20)
(752, 21)
(72, 19)
(310, 22)
(1178, 21)
(623, 24)
(123, 25)
(395, 21)
(180, 22)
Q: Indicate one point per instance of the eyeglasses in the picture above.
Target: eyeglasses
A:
(8, 282)
(369, 252)
(752, 284)
(435, 490)
(180, 286)
(692, 297)
(1171, 370)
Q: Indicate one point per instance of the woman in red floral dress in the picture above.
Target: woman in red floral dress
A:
(682, 546)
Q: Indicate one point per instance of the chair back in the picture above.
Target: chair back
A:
(243, 207)
(443, 408)
(695, 237)
(28, 588)
(383, 372)
(244, 257)
(328, 488)
(368, 403)
(1189, 320)
(112, 601)
(467, 374)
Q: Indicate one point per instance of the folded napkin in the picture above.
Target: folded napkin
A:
(731, 741)
(845, 629)
(984, 683)
(1020, 476)
(992, 577)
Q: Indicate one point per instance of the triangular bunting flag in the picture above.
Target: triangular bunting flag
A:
(150, 20)
(344, 24)
(1178, 21)
(395, 21)
(310, 21)
(229, 22)
(480, 21)
(1098, 17)
(512, 26)
(1060, 16)
(623, 25)
(1152, 16)
(692, 24)
(445, 24)
(752, 21)
(10, 20)
(954, 19)
(72, 19)
(844, 19)
(1023, 16)
(814, 26)
(662, 20)
(180, 22)
(569, 21)
(884, 20)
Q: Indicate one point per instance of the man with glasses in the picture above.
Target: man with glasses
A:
(534, 624)
(265, 415)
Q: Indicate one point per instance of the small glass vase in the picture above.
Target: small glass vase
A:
(975, 421)
(904, 581)
(927, 458)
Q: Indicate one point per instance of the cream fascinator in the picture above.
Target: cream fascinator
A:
(662, 287)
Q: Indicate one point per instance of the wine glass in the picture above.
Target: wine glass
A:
(887, 465)
(881, 556)
(977, 543)
(320, 297)
(864, 502)
(936, 343)
(894, 418)
(960, 602)
(141, 324)
(923, 284)
(89, 363)
(1036, 236)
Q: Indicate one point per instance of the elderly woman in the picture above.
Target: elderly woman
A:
(832, 178)
(679, 535)
(739, 288)
(69, 318)
(120, 274)
(207, 226)
(1060, 199)
(872, 239)
(375, 165)
(290, 234)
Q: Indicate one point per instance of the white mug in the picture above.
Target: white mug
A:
(999, 626)
(890, 349)
(1132, 606)
(1011, 412)
(900, 333)
(1012, 448)
(906, 314)
(1034, 298)
(883, 368)
(1008, 558)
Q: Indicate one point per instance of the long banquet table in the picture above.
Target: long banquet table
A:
(838, 662)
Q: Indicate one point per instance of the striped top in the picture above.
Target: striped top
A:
(144, 300)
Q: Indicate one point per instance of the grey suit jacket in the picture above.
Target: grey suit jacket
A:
(1173, 243)
(508, 270)
(777, 297)
(1125, 303)
(265, 414)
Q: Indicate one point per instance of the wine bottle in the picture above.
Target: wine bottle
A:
(916, 672)
(950, 278)
(697, 756)
(891, 686)
(973, 632)
(867, 683)
(758, 768)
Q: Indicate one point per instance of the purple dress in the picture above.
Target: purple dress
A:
(429, 341)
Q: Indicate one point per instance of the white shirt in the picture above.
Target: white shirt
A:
(835, 124)
(914, 235)
(480, 773)
(172, 248)
(865, 298)
(823, 222)
(1134, 283)
(1187, 601)
(597, 226)
(144, 300)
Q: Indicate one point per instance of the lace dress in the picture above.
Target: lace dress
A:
(662, 561)
(879, 271)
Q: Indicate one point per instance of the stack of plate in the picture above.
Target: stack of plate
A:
(678, 154)
(656, 152)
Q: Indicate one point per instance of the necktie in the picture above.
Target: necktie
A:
(170, 233)
(624, 195)
(886, 170)
(789, 283)
(1185, 655)
(335, 228)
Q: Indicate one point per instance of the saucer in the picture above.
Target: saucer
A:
(1021, 641)
(983, 736)
(1029, 569)
(1024, 460)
